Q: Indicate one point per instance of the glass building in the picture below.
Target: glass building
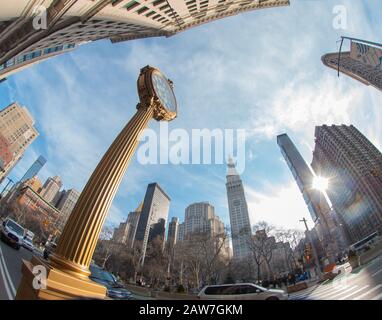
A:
(153, 218)
(354, 168)
(34, 169)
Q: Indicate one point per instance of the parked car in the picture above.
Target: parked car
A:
(49, 249)
(115, 290)
(28, 244)
(12, 233)
(241, 291)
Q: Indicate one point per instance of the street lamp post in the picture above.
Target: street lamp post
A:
(68, 271)
(316, 261)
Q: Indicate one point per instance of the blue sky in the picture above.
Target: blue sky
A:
(260, 71)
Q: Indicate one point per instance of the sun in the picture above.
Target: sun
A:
(320, 183)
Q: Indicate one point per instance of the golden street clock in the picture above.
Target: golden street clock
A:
(155, 90)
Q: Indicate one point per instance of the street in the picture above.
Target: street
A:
(10, 271)
(364, 283)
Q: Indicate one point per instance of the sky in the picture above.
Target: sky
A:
(259, 71)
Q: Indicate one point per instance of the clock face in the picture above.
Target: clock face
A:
(164, 91)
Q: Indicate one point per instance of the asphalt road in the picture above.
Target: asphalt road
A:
(10, 269)
(363, 283)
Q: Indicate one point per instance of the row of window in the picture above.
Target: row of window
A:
(35, 54)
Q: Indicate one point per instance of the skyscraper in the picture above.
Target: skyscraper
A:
(172, 233)
(73, 22)
(315, 200)
(238, 213)
(66, 204)
(363, 62)
(354, 168)
(132, 220)
(181, 229)
(121, 233)
(50, 188)
(153, 217)
(17, 133)
(34, 169)
(200, 217)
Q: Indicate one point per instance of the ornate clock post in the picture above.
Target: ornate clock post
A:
(68, 271)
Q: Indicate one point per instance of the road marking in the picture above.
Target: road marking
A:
(334, 289)
(9, 294)
(378, 297)
(333, 295)
(317, 291)
(7, 273)
(368, 292)
(353, 293)
(7, 289)
(375, 273)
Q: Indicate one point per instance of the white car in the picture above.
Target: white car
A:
(241, 291)
(28, 244)
(12, 233)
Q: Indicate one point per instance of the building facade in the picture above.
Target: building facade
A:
(152, 220)
(6, 155)
(66, 204)
(200, 217)
(241, 231)
(73, 22)
(34, 169)
(17, 133)
(181, 230)
(51, 188)
(354, 69)
(172, 234)
(132, 220)
(25, 196)
(354, 168)
(315, 200)
(121, 233)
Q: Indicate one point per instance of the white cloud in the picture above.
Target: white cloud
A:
(281, 205)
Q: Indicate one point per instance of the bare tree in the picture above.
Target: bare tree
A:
(291, 236)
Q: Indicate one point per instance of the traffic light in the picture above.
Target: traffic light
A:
(308, 252)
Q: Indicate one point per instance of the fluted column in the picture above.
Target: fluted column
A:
(81, 232)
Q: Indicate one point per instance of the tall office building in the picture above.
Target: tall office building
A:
(238, 213)
(73, 22)
(172, 234)
(363, 63)
(6, 155)
(354, 168)
(153, 217)
(17, 133)
(50, 189)
(315, 200)
(66, 204)
(34, 169)
(121, 233)
(200, 218)
(132, 220)
(180, 236)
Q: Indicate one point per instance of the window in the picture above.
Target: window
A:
(247, 289)
(131, 5)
